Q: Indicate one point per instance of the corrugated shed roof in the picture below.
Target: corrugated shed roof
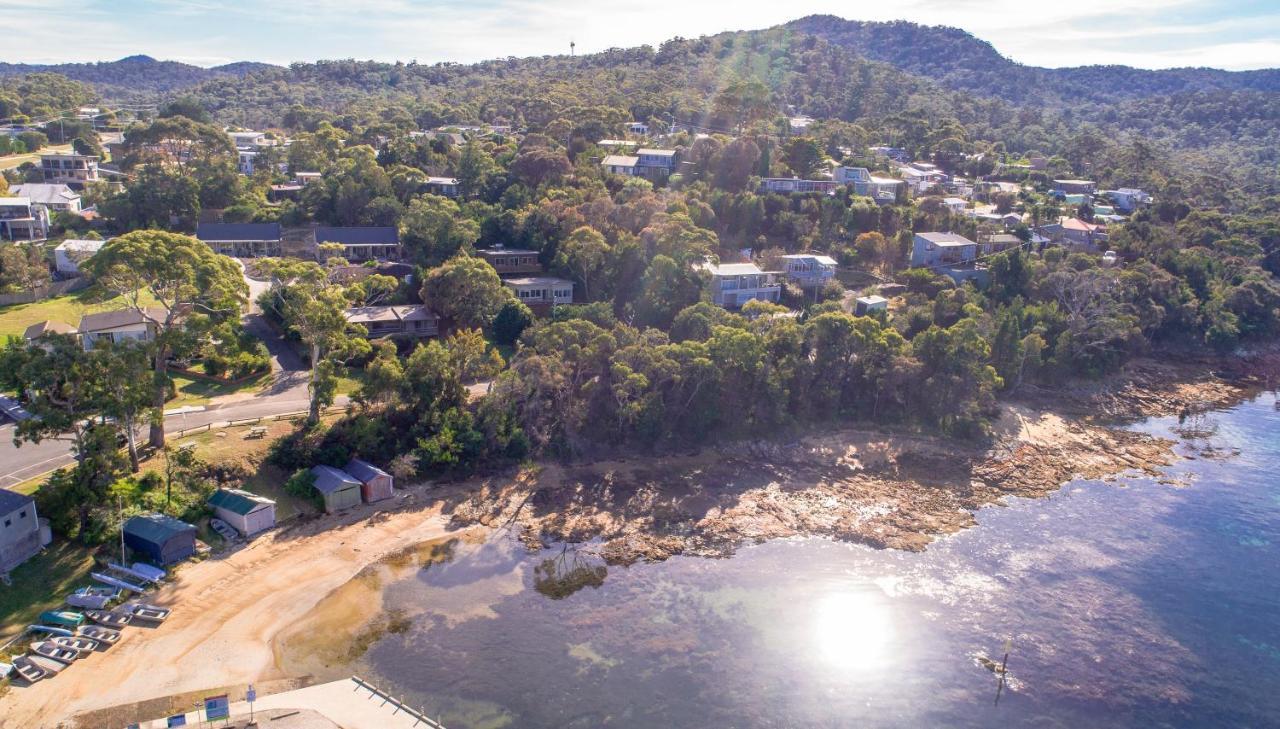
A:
(359, 236)
(238, 231)
(330, 479)
(156, 528)
(238, 502)
(39, 329)
(364, 471)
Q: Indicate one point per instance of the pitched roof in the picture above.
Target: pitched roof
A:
(238, 502)
(45, 193)
(156, 528)
(620, 160)
(946, 239)
(656, 152)
(1078, 224)
(11, 501)
(364, 471)
(39, 329)
(330, 479)
(104, 320)
(359, 236)
(733, 269)
(238, 231)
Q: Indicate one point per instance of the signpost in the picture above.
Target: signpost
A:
(217, 707)
(251, 697)
(176, 720)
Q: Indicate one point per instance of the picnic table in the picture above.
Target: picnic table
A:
(257, 432)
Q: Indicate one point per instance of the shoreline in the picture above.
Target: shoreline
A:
(882, 489)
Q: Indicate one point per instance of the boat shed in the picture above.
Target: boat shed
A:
(161, 539)
(247, 513)
(375, 483)
(338, 488)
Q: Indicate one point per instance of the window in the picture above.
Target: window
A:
(7, 522)
(22, 514)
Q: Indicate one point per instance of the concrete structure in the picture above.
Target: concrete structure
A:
(540, 293)
(22, 221)
(160, 538)
(788, 185)
(241, 240)
(734, 284)
(511, 261)
(68, 168)
(19, 529)
(866, 305)
(809, 270)
(118, 326)
(375, 483)
(70, 253)
(414, 321)
(56, 198)
(369, 243)
(247, 513)
(948, 253)
(338, 488)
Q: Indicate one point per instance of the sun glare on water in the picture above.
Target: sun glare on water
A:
(853, 630)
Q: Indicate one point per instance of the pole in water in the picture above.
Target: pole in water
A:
(1004, 667)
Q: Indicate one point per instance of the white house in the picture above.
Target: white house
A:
(881, 189)
(540, 293)
(70, 253)
(809, 270)
(800, 124)
(620, 164)
(734, 284)
(52, 197)
(247, 513)
(638, 128)
(445, 186)
(955, 204)
(20, 220)
(118, 326)
(788, 185)
(866, 305)
(69, 168)
(948, 253)
(20, 537)
(655, 163)
(1127, 199)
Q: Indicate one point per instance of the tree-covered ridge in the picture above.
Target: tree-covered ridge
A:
(134, 77)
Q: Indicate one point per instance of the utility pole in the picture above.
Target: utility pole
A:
(572, 45)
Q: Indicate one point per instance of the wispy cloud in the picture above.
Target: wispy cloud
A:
(1230, 34)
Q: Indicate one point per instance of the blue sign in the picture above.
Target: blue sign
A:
(177, 720)
(252, 696)
(217, 707)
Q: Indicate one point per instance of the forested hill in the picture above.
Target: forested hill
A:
(136, 76)
(962, 62)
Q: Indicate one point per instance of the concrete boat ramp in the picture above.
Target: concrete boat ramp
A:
(347, 704)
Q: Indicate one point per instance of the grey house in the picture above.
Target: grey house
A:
(241, 240)
(19, 529)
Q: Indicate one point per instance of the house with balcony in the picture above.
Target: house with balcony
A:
(241, 240)
(950, 254)
(67, 168)
(55, 198)
(366, 243)
(621, 164)
(807, 270)
(655, 164)
(1126, 199)
(541, 293)
(1080, 233)
(511, 261)
(638, 128)
(443, 186)
(734, 284)
(791, 185)
(22, 221)
(118, 326)
(883, 190)
(412, 321)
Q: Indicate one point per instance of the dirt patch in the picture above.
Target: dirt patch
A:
(878, 488)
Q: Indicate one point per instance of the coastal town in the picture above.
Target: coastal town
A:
(259, 350)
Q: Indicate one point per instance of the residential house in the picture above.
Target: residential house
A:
(638, 128)
(414, 321)
(247, 513)
(511, 261)
(881, 189)
(160, 538)
(70, 253)
(20, 538)
(372, 243)
(867, 305)
(734, 284)
(948, 253)
(541, 293)
(375, 483)
(897, 154)
(55, 198)
(619, 145)
(248, 146)
(800, 124)
(919, 181)
(955, 205)
(39, 330)
(655, 164)
(445, 186)
(1078, 232)
(1126, 199)
(68, 168)
(788, 185)
(1075, 187)
(241, 240)
(999, 242)
(621, 164)
(118, 326)
(809, 270)
(306, 178)
(338, 489)
(20, 220)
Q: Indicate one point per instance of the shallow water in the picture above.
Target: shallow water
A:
(1139, 602)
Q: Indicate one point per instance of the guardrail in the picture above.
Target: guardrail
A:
(419, 716)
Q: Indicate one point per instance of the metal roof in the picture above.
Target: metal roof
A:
(364, 471)
(239, 502)
(238, 231)
(11, 501)
(330, 480)
(156, 528)
(104, 320)
(359, 236)
(946, 239)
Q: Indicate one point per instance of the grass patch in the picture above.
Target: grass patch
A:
(68, 309)
(191, 391)
(42, 583)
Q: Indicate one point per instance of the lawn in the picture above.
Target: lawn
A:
(42, 582)
(14, 161)
(68, 309)
(191, 391)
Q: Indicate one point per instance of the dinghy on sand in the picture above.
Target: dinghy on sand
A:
(109, 618)
(79, 644)
(49, 650)
(28, 670)
(106, 637)
(148, 612)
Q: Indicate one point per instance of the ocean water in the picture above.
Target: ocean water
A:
(1151, 602)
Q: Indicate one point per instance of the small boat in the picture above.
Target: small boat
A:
(29, 670)
(105, 636)
(50, 666)
(109, 618)
(146, 611)
(114, 582)
(49, 650)
(152, 574)
(62, 618)
(50, 630)
(94, 602)
(5, 669)
(79, 644)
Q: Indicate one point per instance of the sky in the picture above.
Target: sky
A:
(1232, 34)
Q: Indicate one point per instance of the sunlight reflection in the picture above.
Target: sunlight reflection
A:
(853, 630)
